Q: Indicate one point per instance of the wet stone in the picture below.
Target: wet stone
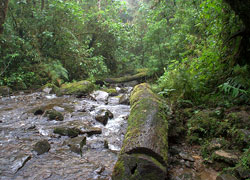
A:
(59, 109)
(106, 144)
(19, 162)
(42, 147)
(100, 170)
(38, 111)
(103, 115)
(93, 130)
(100, 95)
(124, 99)
(54, 115)
(64, 131)
(186, 156)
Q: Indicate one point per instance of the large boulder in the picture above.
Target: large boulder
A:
(144, 152)
(5, 91)
(77, 88)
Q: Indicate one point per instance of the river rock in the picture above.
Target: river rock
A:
(91, 131)
(76, 144)
(186, 156)
(226, 177)
(5, 91)
(19, 162)
(54, 115)
(100, 95)
(59, 109)
(103, 115)
(144, 151)
(42, 147)
(47, 90)
(124, 99)
(225, 156)
(64, 131)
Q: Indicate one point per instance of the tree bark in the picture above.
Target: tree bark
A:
(3, 13)
(241, 8)
(144, 152)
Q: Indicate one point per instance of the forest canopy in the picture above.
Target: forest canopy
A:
(192, 48)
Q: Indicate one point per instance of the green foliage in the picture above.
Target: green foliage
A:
(55, 71)
(238, 85)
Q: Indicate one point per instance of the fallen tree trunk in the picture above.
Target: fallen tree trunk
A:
(128, 78)
(144, 151)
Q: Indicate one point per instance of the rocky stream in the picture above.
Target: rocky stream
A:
(81, 141)
(24, 123)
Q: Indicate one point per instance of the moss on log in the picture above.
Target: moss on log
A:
(144, 151)
(143, 74)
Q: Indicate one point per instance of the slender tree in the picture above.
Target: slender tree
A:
(3, 12)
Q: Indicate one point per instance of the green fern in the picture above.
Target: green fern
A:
(238, 84)
(55, 71)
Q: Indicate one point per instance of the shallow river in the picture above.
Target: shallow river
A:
(20, 129)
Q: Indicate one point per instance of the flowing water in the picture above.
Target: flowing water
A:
(20, 129)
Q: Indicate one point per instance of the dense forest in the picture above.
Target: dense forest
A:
(195, 55)
(196, 50)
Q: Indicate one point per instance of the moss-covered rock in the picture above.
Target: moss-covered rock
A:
(54, 88)
(226, 156)
(42, 147)
(112, 92)
(64, 131)
(5, 91)
(144, 150)
(76, 88)
(54, 115)
(76, 144)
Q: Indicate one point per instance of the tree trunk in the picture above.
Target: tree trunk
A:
(139, 76)
(144, 152)
(242, 8)
(42, 5)
(3, 13)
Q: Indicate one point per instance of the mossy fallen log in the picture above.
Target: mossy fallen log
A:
(142, 74)
(144, 151)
